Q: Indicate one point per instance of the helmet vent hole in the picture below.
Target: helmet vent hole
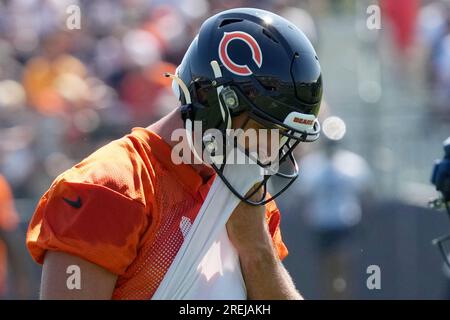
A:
(269, 35)
(229, 21)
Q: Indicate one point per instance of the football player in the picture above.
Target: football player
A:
(120, 215)
(441, 179)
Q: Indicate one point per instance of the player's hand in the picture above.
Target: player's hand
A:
(264, 275)
(247, 228)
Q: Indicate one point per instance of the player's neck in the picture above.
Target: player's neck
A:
(165, 126)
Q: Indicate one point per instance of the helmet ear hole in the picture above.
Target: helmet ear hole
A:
(231, 100)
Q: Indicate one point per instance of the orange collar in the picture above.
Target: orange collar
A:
(184, 172)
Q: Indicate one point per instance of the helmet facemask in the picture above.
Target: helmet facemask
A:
(282, 172)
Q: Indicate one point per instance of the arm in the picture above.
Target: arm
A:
(277, 286)
(264, 274)
(96, 282)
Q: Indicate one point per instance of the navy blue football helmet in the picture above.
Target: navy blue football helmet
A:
(253, 61)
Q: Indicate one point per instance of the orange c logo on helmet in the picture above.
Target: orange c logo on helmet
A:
(239, 69)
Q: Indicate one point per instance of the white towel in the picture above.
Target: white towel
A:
(207, 265)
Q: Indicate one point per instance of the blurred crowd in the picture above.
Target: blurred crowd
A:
(65, 92)
(434, 32)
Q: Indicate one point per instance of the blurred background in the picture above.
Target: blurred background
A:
(361, 199)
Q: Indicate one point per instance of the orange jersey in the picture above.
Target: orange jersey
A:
(126, 208)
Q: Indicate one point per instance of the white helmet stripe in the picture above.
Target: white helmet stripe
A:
(218, 74)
